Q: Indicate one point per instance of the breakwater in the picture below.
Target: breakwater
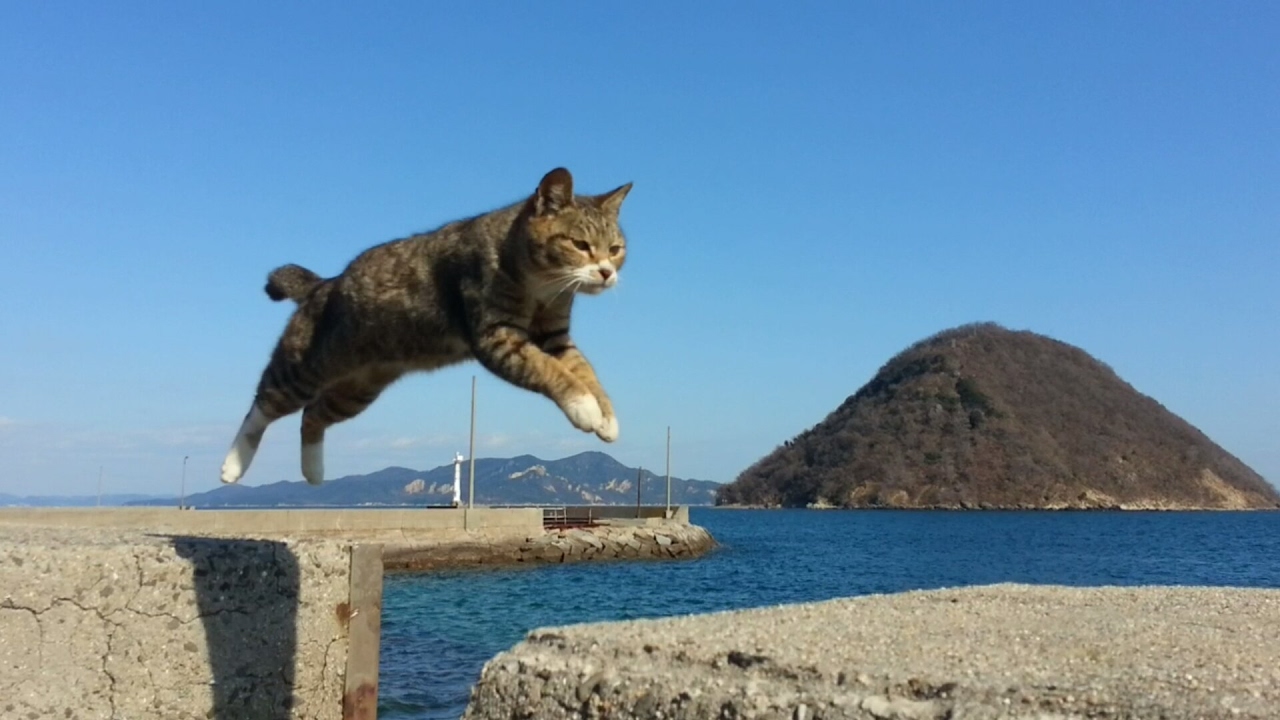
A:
(221, 615)
(1000, 651)
(616, 541)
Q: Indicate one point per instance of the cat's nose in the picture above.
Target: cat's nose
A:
(605, 273)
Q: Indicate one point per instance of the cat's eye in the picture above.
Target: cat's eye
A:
(614, 250)
(582, 245)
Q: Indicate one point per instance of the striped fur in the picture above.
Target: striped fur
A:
(497, 287)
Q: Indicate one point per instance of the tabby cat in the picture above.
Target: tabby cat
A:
(497, 287)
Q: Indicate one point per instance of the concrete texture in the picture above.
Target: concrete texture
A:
(1005, 651)
(384, 522)
(647, 539)
(109, 624)
(128, 613)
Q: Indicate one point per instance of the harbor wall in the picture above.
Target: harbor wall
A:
(221, 615)
(281, 521)
(646, 540)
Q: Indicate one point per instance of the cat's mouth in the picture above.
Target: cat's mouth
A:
(596, 287)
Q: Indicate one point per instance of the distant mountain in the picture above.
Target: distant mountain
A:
(589, 478)
(7, 500)
(981, 416)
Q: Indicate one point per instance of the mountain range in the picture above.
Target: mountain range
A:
(589, 478)
(114, 500)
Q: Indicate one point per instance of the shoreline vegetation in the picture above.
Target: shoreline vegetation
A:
(1001, 508)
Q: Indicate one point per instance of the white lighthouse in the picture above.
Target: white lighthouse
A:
(457, 479)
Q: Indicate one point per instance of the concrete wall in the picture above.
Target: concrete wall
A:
(231, 614)
(110, 624)
(258, 523)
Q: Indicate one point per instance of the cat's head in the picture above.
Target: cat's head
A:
(575, 244)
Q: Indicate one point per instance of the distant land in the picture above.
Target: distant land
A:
(589, 478)
(7, 500)
(984, 417)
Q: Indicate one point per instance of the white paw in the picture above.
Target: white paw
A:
(313, 463)
(608, 430)
(238, 460)
(242, 450)
(584, 412)
(232, 468)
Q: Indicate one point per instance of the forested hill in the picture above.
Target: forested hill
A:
(980, 416)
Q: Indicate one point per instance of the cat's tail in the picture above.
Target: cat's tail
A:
(291, 281)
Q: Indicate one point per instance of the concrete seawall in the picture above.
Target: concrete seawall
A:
(222, 615)
(1005, 651)
(107, 624)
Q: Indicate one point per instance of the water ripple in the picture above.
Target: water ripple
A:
(440, 628)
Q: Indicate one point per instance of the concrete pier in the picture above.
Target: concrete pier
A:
(222, 615)
(1005, 651)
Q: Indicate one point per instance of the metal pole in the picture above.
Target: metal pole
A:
(668, 471)
(639, 475)
(471, 453)
(182, 499)
(99, 486)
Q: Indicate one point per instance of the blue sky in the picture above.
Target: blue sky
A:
(817, 186)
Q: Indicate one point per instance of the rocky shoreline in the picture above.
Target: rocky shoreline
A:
(613, 541)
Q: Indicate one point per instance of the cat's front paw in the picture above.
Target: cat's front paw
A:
(584, 412)
(608, 430)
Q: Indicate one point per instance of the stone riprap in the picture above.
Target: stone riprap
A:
(651, 540)
(109, 624)
(1003, 651)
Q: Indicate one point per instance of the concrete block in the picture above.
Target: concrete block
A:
(106, 624)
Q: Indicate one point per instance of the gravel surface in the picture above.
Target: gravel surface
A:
(986, 652)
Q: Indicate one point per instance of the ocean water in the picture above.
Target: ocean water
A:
(440, 628)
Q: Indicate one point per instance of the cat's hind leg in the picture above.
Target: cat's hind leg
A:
(285, 388)
(245, 445)
(341, 401)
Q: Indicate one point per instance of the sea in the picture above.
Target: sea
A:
(440, 628)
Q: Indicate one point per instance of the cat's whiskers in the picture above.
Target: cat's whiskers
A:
(559, 283)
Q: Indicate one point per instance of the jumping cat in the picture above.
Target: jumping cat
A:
(497, 287)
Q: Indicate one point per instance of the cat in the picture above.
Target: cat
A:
(497, 287)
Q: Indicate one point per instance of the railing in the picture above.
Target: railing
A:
(554, 517)
(562, 516)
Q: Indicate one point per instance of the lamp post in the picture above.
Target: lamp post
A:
(668, 471)
(182, 498)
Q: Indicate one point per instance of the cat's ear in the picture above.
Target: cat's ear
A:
(612, 200)
(555, 192)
